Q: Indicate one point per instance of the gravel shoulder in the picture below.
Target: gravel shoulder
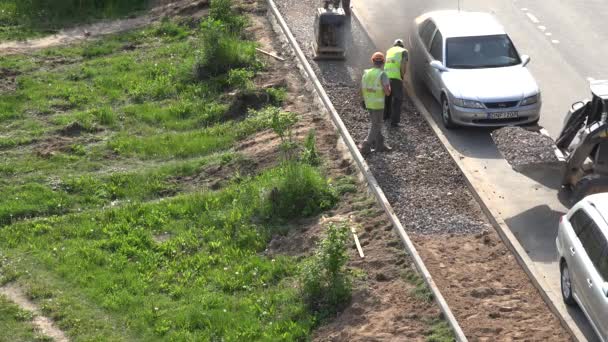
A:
(489, 293)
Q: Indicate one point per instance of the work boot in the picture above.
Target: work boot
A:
(384, 148)
(365, 149)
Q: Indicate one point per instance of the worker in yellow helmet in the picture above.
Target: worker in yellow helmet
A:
(375, 85)
(395, 68)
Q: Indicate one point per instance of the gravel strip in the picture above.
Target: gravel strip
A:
(522, 148)
(425, 188)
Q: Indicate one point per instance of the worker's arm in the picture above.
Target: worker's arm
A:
(404, 64)
(386, 84)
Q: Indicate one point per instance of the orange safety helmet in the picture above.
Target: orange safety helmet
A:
(378, 57)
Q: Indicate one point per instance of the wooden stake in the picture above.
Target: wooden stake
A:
(270, 54)
(352, 229)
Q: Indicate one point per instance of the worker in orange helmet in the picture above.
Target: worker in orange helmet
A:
(375, 85)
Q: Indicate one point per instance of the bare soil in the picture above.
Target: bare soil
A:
(487, 290)
(44, 324)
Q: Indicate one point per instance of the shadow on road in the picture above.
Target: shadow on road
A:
(536, 230)
(549, 175)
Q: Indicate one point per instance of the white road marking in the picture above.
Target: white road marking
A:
(590, 79)
(542, 28)
(548, 34)
(524, 9)
(533, 18)
(555, 41)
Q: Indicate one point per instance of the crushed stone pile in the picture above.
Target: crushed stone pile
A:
(522, 148)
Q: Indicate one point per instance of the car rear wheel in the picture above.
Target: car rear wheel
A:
(446, 114)
(566, 283)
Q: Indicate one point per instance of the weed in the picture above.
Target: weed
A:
(240, 79)
(277, 96)
(168, 28)
(282, 124)
(78, 149)
(439, 331)
(221, 10)
(300, 192)
(310, 155)
(222, 51)
(346, 185)
(326, 284)
(420, 290)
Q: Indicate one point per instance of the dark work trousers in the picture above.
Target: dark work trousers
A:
(392, 103)
(374, 138)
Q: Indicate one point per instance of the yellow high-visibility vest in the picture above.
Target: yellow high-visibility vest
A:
(373, 91)
(394, 56)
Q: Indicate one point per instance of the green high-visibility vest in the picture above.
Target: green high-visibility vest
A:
(373, 91)
(394, 56)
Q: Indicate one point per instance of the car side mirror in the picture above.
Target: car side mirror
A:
(438, 66)
(525, 59)
(605, 289)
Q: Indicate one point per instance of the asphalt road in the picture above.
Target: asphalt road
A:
(565, 40)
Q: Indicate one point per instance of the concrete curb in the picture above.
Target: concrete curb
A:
(499, 224)
(373, 185)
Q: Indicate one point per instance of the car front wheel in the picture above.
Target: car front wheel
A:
(446, 114)
(566, 283)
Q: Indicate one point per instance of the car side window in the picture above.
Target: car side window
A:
(579, 220)
(595, 244)
(437, 47)
(426, 32)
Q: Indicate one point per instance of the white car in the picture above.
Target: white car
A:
(582, 245)
(472, 68)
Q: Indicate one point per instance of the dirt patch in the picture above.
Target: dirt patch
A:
(46, 325)
(242, 102)
(523, 148)
(162, 238)
(76, 129)
(8, 80)
(51, 146)
(483, 307)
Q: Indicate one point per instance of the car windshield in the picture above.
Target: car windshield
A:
(481, 52)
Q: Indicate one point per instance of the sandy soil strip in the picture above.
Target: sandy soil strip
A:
(44, 324)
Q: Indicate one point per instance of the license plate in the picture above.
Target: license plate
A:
(503, 115)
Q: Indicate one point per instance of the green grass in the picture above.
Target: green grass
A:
(82, 212)
(439, 331)
(16, 325)
(420, 290)
(23, 19)
(208, 280)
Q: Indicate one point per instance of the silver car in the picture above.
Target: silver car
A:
(472, 68)
(582, 245)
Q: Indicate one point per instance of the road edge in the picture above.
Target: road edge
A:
(307, 72)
